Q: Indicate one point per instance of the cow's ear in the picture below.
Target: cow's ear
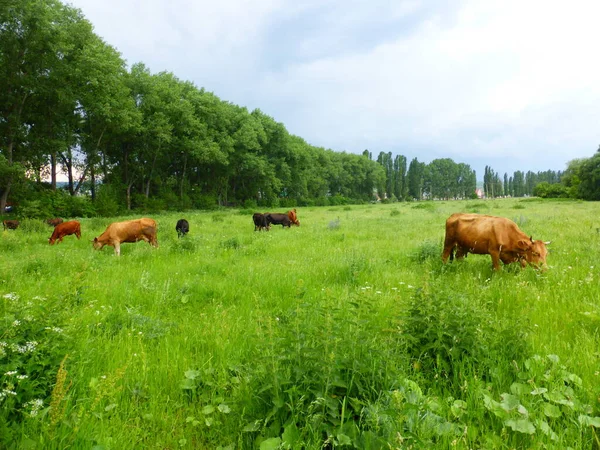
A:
(523, 245)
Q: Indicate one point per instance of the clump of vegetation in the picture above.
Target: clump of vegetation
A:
(545, 404)
(334, 224)
(428, 250)
(33, 341)
(427, 206)
(394, 212)
(450, 335)
(231, 244)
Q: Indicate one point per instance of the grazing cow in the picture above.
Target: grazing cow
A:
(65, 229)
(129, 231)
(278, 219)
(260, 222)
(182, 227)
(293, 218)
(54, 222)
(498, 237)
(10, 224)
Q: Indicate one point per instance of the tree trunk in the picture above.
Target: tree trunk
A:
(128, 195)
(53, 170)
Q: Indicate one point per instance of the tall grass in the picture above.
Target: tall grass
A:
(319, 336)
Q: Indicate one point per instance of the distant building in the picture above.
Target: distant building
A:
(479, 193)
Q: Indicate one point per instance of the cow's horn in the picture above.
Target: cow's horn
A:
(547, 242)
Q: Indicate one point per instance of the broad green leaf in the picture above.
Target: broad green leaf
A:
(252, 426)
(209, 421)
(270, 444)
(344, 439)
(208, 409)
(551, 410)
(224, 408)
(187, 384)
(545, 428)
(192, 374)
(539, 391)
(519, 388)
(290, 435)
(111, 406)
(494, 406)
(521, 425)
(509, 402)
(588, 421)
(458, 408)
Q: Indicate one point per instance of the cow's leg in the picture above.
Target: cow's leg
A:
(78, 234)
(117, 249)
(495, 254)
(448, 251)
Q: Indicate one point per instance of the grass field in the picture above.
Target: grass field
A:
(346, 332)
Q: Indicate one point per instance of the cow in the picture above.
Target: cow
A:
(54, 222)
(498, 237)
(10, 224)
(260, 222)
(182, 227)
(65, 229)
(129, 231)
(278, 219)
(293, 218)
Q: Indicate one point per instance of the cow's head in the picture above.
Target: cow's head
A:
(535, 252)
(51, 241)
(97, 244)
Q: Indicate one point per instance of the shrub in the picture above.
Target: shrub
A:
(450, 335)
(546, 400)
(426, 251)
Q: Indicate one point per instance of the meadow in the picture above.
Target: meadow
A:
(345, 332)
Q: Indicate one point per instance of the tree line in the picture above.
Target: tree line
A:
(128, 138)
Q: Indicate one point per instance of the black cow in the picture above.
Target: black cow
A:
(260, 222)
(279, 219)
(182, 227)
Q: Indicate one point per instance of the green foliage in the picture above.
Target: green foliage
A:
(107, 201)
(547, 190)
(32, 343)
(451, 335)
(427, 251)
(545, 405)
(427, 206)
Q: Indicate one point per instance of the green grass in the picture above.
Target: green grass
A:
(347, 331)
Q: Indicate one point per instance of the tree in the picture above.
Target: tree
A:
(589, 175)
(415, 179)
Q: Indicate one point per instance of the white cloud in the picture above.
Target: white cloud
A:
(511, 80)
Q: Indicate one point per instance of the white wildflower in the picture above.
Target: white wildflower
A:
(378, 292)
(35, 405)
(16, 323)
(22, 377)
(11, 296)
(10, 372)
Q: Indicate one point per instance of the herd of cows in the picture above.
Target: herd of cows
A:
(466, 233)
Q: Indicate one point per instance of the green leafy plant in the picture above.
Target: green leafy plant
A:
(546, 400)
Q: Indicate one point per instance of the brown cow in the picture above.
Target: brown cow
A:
(499, 237)
(65, 229)
(128, 231)
(10, 224)
(293, 218)
(54, 222)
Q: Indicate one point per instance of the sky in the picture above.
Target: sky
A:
(513, 84)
